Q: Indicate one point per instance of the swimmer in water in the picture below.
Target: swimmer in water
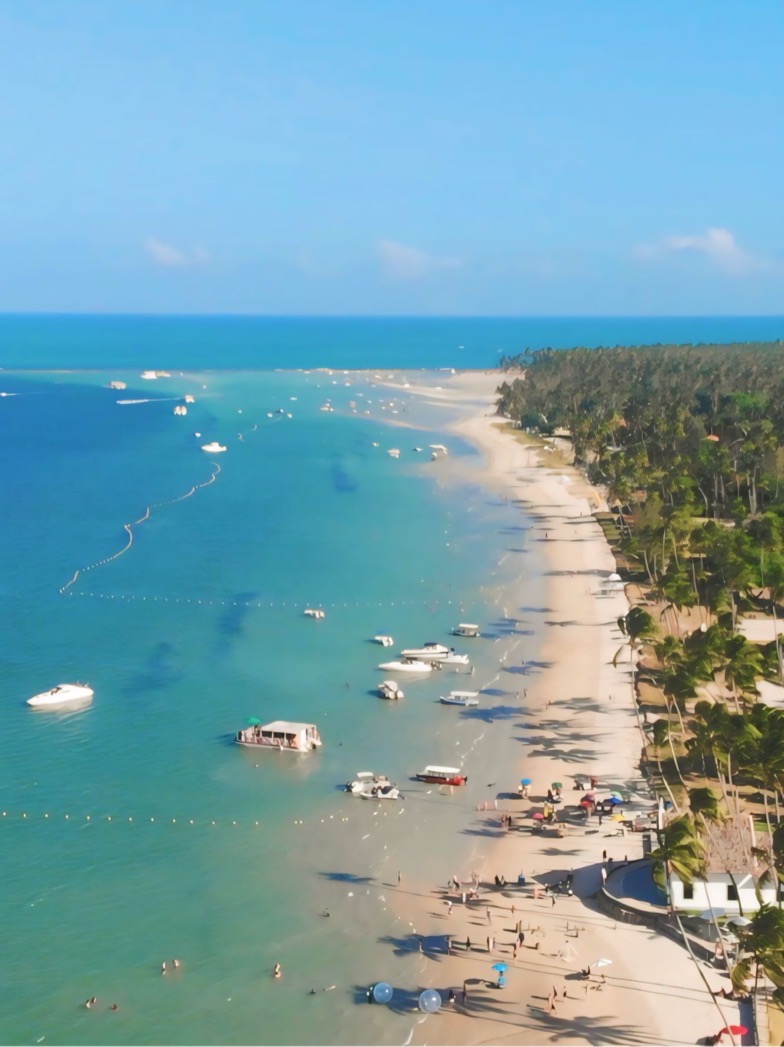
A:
(91, 1002)
(277, 971)
(163, 967)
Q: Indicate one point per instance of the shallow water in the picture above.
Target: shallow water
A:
(195, 627)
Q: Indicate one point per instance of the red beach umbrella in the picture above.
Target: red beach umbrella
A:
(538, 816)
(734, 1030)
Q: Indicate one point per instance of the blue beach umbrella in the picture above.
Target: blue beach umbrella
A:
(382, 992)
(500, 967)
(526, 781)
(430, 1001)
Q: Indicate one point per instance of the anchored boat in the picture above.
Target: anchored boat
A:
(462, 698)
(284, 735)
(442, 775)
(370, 786)
(61, 695)
(390, 690)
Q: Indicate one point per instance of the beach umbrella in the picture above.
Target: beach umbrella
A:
(617, 796)
(538, 816)
(500, 967)
(740, 921)
(526, 781)
(617, 817)
(734, 1030)
(254, 721)
(382, 992)
(601, 962)
(614, 577)
(429, 1001)
(556, 785)
(614, 800)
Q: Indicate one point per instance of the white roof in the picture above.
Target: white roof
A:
(467, 625)
(287, 727)
(433, 769)
(464, 694)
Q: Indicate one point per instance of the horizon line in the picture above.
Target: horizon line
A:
(121, 314)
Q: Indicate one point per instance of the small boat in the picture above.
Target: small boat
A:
(394, 452)
(407, 665)
(326, 407)
(213, 447)
(370, 786)
(118, 385)
(442, 775)
(466, 629)
(453, 658)
(385, 641)
(180, 409)
(390, 690)
(189, 398)
(149, 376)
(430, 651)
(462, 698)
(62, 694)
(315, 612)
(283, 735)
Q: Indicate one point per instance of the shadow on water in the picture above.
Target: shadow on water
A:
(157, 674)
(345, 877)
(231, 623)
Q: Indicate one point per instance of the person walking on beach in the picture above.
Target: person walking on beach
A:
(449, 908)
(399, 877)
(489, 915)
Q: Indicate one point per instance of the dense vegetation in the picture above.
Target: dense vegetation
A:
(688, 442)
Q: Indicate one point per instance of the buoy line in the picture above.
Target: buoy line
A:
(128, 527)
(216, 601)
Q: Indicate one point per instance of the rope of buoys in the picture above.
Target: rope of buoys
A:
(216, 601)
(142, 519)
(120, 819)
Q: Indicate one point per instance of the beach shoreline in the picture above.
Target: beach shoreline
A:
(579, 719)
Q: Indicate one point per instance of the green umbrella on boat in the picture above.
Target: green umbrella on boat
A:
(254, 721)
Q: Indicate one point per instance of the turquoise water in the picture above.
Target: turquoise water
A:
(195, 627)
(135, 831)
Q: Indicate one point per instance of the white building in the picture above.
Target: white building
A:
(732, 872)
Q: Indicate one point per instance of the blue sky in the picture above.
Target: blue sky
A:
(400, 157)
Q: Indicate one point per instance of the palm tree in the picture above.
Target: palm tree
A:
(637, 626)
(763, 940)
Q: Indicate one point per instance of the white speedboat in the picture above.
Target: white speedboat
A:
(385, 641)
(390, 690)
(462, 698)
(315, 612)
(453, 658)
(213, 447)
(370, 786)
(428, 652)
(62, 694)
(394, 452)
(407, 665)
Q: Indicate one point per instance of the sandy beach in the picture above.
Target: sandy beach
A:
(578, 720)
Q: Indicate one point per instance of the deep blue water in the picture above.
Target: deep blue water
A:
(267, 343)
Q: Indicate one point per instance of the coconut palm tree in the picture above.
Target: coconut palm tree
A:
(763, 942)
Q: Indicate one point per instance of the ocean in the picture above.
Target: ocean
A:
(135, 831)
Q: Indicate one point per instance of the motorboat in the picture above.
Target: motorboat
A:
(442, 775)
(284, 735)
(390, 690)
(462, 698)
(466, 629)
(213, 447)
(394, 452)
(407, 665)
(428, 652)
(385, 641)
(453, 658)
(180, 409)
(315, 612)
(62, 694)
(118, 385)
(370, 786)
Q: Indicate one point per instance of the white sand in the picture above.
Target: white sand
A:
(581, 720)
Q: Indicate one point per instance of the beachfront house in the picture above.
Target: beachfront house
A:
(733, 872)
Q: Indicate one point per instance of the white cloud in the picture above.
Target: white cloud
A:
(719, 246)
(172, 257)
(400, 262)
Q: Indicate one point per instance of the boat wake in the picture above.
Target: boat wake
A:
(128, 527)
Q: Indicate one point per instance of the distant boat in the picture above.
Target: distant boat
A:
(284, 735)
(213, 447)
(466, 629)
(389, 689)
(385, 641)
(442, 775)
(315, 612)
(394, 452)
(62, 694)
(407, 665)
(462, 698)
(117, 385)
